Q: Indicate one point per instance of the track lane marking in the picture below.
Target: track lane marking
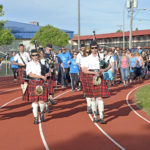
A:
(127, 101)
(9, 90)
(40, 126)
(109, 137)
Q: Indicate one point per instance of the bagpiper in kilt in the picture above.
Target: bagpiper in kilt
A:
(22, 58)
(49, 56)
(37, 86)
(98, 90)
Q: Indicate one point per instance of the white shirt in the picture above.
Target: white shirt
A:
(79, 58)
(25, 56)
(33, 67)
(92, 62)
(109, 59)
(84, 62)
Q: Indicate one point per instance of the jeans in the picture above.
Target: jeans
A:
(124, 73)
(74, 80)
(15, 72)
(64, 76)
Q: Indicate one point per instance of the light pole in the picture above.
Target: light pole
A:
(78, 24)
(131, 26)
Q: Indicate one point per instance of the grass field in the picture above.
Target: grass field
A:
(142, 98)
(3, 70)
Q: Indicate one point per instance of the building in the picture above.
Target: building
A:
(23, 32)
(140, 38)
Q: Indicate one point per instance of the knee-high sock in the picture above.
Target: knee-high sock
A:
(41, 107)
(88, 100)
(94, 108)
(101, 108)
(35, 109)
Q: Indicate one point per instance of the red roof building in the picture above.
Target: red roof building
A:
(140, 38)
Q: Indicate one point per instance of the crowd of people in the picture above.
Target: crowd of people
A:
(91, 69)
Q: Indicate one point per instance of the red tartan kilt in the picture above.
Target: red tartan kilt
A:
(82, 78)
(19, 78)
(80, 75)
(53, 82)
(95, 90)
(50, 86)
(31, 88)
(25, 96)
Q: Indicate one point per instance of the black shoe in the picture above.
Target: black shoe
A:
(52, 101)
(95, 120)
(102, 121)
(42, 116)
(47, 110)
(35, 120)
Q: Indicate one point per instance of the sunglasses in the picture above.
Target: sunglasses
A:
(35, 55)
(93, 47)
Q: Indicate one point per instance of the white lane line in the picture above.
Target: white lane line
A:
(127, 101)
(40, 126)
(111, 139)
(9, 90)
(10, 102)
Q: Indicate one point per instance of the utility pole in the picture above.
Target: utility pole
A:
(131, 24)
(78, 24)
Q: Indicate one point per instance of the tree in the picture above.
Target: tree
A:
(119, 31)
(49, 34)
(6, 37)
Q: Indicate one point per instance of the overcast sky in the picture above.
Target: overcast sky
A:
(103, 16)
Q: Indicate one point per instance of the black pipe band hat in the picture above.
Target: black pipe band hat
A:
(21, 45)
(49, 45)
(33, 51)
(93, 43)
(82, 45)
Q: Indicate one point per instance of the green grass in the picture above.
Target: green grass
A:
(142, 98)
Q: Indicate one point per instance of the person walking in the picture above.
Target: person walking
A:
(96, 92)
(124, 65)
(13, 67)
(37, 88)
(74, 70)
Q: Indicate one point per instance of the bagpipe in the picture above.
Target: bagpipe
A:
(103, 64)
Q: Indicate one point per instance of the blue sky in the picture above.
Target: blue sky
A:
(103, 16)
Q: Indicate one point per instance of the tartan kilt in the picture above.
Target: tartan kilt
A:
(95, 90)
(80, 75)
(53, 82)
(25, 96)
(82, 78)
(50, 86)
(19, 77)
(31, 88)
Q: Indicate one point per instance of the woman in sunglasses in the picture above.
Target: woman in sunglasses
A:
(96, 92)
(33, 69)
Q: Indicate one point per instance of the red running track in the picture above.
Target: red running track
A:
(68, 126)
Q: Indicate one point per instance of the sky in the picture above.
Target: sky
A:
(103, 16)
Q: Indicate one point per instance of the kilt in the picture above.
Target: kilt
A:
(50, 86)
(81, 79)
(95, 90)
(25, 96)
(80, 75)
(53, 80)
(19, 77)
(31, 89)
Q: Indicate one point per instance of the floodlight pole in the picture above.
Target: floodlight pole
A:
(78, 24)
(131, 26)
